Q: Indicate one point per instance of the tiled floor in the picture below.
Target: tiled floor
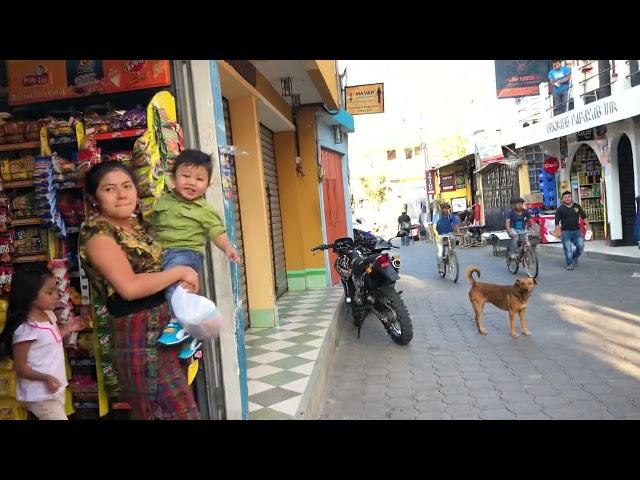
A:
(280, 360)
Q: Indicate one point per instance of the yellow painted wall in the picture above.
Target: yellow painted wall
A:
(272, 96)
(324, 76)
(523, 179)
(447, 196)
(253, 205)
(308, 198)
(290, 207)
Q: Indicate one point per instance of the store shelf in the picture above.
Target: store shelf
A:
(120, 406)
(133, 132)
(17, 184)
(30, 258)
(20, 222)
(582, 198)
(19, 146)
(596, 221)
(62, 141)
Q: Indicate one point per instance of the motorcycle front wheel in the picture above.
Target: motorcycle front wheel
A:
(399, 327)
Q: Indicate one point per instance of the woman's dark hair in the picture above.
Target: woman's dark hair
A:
(96, 174)
(25, 287)
(194, 158)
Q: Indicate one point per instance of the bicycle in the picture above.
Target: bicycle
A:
(526, 255)
(449, 258)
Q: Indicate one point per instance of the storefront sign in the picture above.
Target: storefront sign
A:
(551, 165)
(126, 75)
(431, 189)
(458, 204)
(584, 135)
(32, 81)
(520, 78)
(607, 110)
(488, 147)
(365, 99)
(447, 183)
(35, 81)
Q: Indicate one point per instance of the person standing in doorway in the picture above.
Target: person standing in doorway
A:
(568, 217)
(560, 78)
(404, 225)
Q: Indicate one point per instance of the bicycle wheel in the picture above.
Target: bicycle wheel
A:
(453, 266)
(513, 264)
(530, 261)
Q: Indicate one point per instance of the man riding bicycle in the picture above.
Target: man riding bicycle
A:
(447, 223)
(517, 222)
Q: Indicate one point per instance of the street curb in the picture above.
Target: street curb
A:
(313, 396)
(542, 248)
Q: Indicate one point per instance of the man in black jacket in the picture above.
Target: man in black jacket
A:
(568, 217)
(404, 225)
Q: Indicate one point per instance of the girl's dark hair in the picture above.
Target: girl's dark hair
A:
(194, 158)
(96, 174)
(25, 287)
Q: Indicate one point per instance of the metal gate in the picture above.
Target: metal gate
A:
(499, 186)
(627, 190)
(275, 218)
(242, 271)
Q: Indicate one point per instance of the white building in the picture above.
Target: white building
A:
(597, 142)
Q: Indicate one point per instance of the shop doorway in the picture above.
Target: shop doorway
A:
(588, 189)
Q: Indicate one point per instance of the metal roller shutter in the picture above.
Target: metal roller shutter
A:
(242, 272)
(275, 218)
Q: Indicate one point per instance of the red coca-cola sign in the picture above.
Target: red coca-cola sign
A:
(551, 165)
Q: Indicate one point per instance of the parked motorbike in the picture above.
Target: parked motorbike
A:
(368, 278)
(367, 241)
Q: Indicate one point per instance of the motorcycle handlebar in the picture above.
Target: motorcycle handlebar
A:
(321, 247)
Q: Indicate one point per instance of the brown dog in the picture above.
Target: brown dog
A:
(512, 298)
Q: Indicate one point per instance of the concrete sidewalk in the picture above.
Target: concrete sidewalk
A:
(597, 249)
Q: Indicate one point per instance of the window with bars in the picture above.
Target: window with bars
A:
(535, 160)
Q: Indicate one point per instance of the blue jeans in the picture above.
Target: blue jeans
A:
(569, 239)
(560, 102)
(406, 240)
(513, 244)
(174, 257)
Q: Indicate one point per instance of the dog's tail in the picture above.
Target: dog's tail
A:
(469, 274)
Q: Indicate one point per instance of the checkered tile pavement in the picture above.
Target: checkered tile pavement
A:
(280, 359)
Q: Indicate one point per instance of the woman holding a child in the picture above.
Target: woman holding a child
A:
(124, 264)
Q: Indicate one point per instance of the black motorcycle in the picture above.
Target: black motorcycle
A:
(368, 278)
(366, 242)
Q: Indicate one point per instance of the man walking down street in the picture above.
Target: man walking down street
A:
(568, 217)
(404, 225)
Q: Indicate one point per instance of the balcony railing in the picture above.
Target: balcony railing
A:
(586, 90)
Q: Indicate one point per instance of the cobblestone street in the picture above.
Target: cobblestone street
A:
(582, 361)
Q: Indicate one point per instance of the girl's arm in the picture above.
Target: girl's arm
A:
(110, 260)
(20, 354)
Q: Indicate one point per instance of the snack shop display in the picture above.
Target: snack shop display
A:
(42, 207)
